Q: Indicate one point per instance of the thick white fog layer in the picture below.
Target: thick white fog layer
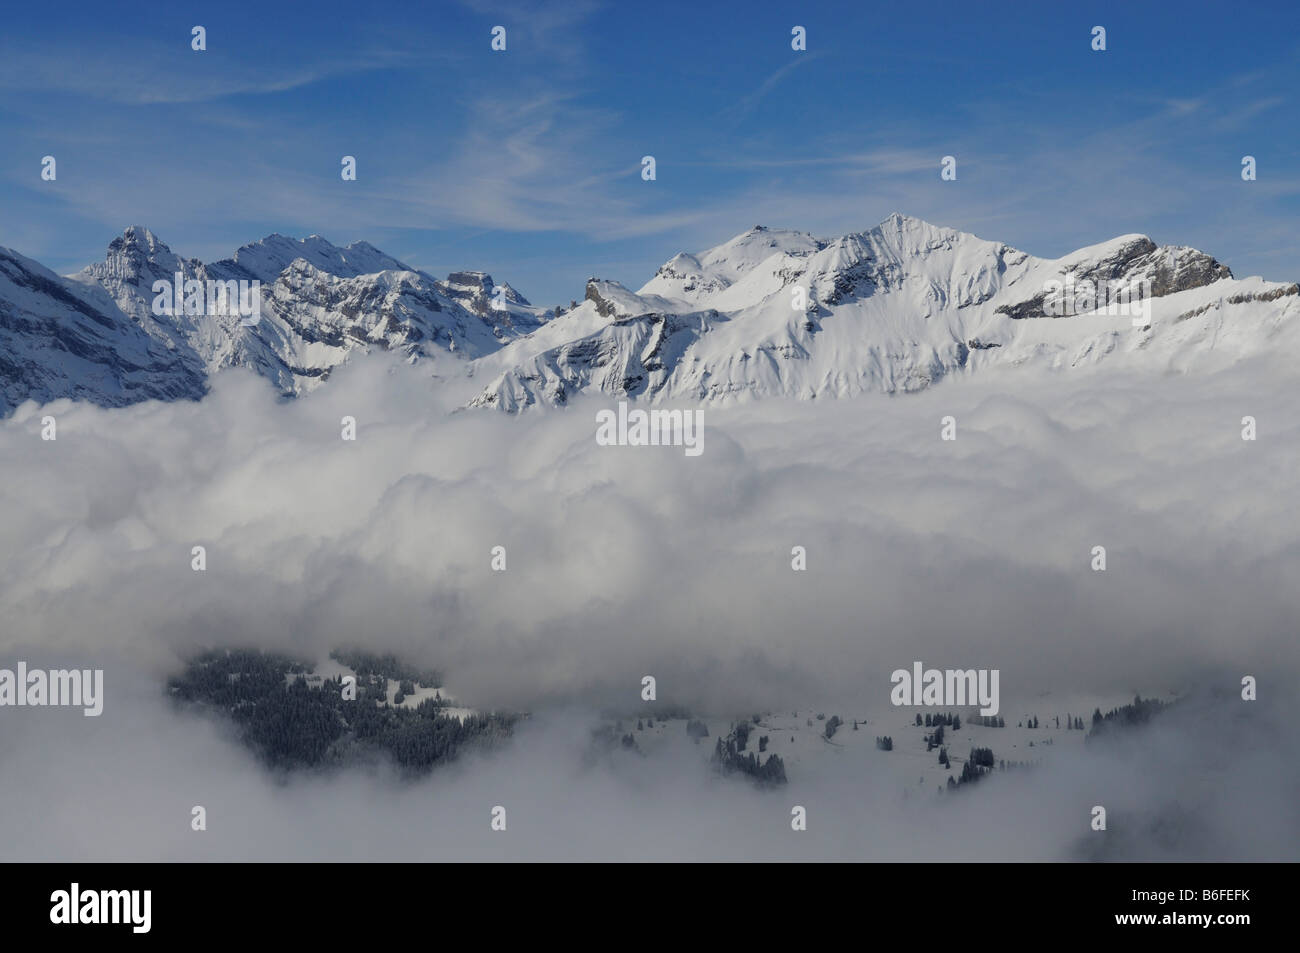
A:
(630, 561)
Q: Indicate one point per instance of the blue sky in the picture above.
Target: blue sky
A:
(527, 163)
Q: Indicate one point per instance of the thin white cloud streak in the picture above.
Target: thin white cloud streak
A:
(738, 110)
(152, 74)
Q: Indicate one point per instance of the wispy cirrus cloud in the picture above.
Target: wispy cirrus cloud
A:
(738, 110)
(151, 74)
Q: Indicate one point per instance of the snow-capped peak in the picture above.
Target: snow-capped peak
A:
(138, 236)
(267, 258)
(136, 254)
(695, 280)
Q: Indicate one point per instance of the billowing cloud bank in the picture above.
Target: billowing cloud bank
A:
(626, 561)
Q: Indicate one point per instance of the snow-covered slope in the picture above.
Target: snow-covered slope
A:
(892, 309)
(700, 280)
(59, 338)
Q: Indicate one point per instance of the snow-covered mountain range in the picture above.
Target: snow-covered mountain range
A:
(892, 309)
(94, 335)
(769, 313)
